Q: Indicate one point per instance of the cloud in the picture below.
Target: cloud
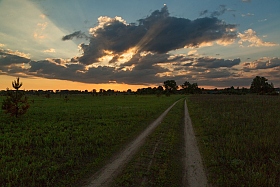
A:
(253, 40)
(142, 68)
(39, 32)
(204, 12)
(157, 33)
(262, 20)
(77, 34)
(209, 62)
(140, 53)
(8, 59)
(42, 16)
(51, 50)
(12, 62)
(217, 73)
(248, 14)
(262, 63)
(142, 74)
(221, 10)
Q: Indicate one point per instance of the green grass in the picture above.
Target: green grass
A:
(159, 161)
(57, 142)
(239, 137)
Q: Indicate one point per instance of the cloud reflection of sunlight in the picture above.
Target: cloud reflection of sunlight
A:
(127, 55)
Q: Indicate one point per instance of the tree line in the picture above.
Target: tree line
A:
(16, 103)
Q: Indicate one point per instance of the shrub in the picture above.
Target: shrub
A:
(16, 103)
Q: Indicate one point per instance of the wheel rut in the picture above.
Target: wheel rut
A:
(105, 175)
(194, 174)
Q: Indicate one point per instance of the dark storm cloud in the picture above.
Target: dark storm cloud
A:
(210, 77)
(261, 64)
(227, 82)
(46, 68)
(158, 33)
(208, 62)
(216, 63)
(217, 73)
(100, 74)
(144, 70)
(8, 59)
(149, 59)
(77, 34)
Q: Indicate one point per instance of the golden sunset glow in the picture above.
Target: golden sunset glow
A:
(34, 83)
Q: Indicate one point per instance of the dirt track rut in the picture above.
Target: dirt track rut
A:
(194, 175)
(109, 171)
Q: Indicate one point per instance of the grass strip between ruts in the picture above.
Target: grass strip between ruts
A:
(159, 160)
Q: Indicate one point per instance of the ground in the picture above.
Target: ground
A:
(194, 174)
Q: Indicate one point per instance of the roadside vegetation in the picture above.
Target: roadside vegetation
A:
(238, 138)
(57, 141)
(159, 160)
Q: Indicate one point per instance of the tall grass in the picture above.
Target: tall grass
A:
(239, 137)
(57, 142)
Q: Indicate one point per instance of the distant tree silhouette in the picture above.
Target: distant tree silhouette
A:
(190, 88)
(15, 104)
(93, 92)
(170, 87)
(261, 86)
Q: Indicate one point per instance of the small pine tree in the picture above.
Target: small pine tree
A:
(16, 103)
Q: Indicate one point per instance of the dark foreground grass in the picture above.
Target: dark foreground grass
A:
(239, 138)
(58, 142)
(159, 161)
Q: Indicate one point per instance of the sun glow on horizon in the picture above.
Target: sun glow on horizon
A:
(35, 83)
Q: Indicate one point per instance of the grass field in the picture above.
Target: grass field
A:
(58, 142)
(239, 137)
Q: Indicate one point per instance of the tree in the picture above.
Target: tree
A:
(190, 88)
(93, 92)
(129, 91)
(15, 103)
(170, 86)
(260, 85)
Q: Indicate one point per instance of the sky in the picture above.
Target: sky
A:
(120, 45)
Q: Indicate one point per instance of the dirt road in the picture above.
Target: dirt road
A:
(194, 175)
(109, 171)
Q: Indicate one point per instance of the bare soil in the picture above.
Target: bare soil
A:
(194, 175)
